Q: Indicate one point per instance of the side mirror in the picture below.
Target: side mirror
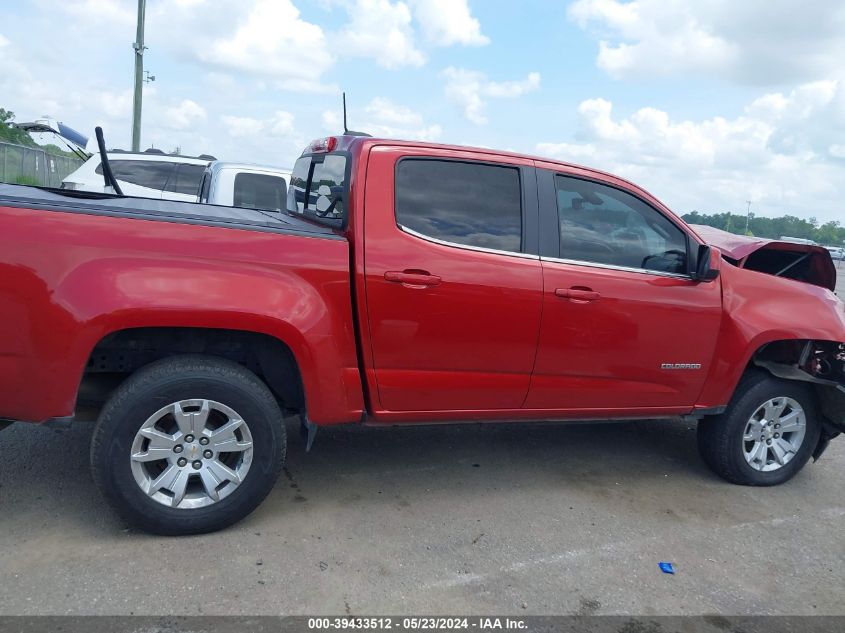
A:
(703, 271)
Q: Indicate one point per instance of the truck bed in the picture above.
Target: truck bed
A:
(22, 196)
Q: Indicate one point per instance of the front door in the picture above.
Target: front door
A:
(453, 280)
(624, 325)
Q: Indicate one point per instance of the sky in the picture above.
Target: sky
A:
(707, 104)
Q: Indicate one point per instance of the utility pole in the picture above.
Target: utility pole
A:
(747, 216)
(139, 78)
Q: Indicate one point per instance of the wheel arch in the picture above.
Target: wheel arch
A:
(120, 352)
(818, 363)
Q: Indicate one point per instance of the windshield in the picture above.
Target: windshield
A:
(317, 188)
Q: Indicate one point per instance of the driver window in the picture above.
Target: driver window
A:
(603, 225)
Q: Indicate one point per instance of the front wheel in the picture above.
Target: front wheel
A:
(187, 445)
(765, 436)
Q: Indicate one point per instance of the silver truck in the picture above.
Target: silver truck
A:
(244, 185)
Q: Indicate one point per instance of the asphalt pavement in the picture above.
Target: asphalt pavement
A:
(531, 519)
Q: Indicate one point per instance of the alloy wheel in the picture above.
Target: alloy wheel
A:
(774, 434)
(191, 453)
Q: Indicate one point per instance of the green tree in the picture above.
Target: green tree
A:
(829, 233)
(11, 134)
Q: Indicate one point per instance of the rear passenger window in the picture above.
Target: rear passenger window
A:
(259, 191)
(144, 173)
(472, 204)
(186, 179)
(604, 225)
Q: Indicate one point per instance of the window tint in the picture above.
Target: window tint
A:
(186, 179)
(145, 173)
(607, 226)
(206, 187)
(465, 203)
(260, 191)
(318, 188)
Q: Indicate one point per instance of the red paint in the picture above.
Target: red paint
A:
(67, 280)
(445, 333)
(467, 342)
(607, 352)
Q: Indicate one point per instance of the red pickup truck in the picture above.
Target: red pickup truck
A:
(406, 283)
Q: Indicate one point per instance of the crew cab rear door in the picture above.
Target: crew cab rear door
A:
(453, 279)
(625, 327)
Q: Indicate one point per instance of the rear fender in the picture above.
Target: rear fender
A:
(71, 279)
(311, 320)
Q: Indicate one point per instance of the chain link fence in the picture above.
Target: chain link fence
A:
(31, 166)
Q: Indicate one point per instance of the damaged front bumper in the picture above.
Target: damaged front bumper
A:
(821, 364)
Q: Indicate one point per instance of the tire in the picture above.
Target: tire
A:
(246, 458)
(722, 439)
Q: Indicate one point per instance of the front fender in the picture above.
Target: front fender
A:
(759, 309)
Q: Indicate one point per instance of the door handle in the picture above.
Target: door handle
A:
(578, 294)
(412, 278)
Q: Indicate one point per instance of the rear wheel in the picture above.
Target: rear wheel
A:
(765, 436)
(187, 445)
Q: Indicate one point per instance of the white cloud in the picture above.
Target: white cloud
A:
(30, 94)
(271, 41)
(390, 120)
(448, 22)
(332, 121)
(110, 12)
(266, 39)
(278, 125)
(380, 30)
(183, 109)
(390, 113)
(469, 89)
(753, 41)
(242, 125)
(281, 123)
(383, 118)
(117, 104)
(185, 115)
(782, 153)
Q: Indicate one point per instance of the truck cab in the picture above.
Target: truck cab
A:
(245, 185)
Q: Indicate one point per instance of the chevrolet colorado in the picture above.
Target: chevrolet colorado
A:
(406, 283)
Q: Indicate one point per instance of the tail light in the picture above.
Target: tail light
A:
(322, 145)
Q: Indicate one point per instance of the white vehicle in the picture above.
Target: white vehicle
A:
(148, 174)
(797, 240)
(836, 252)
(244, 185)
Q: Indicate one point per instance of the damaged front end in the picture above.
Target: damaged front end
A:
(808, 263)
(820, 363)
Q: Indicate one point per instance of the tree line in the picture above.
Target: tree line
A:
(830, 233)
